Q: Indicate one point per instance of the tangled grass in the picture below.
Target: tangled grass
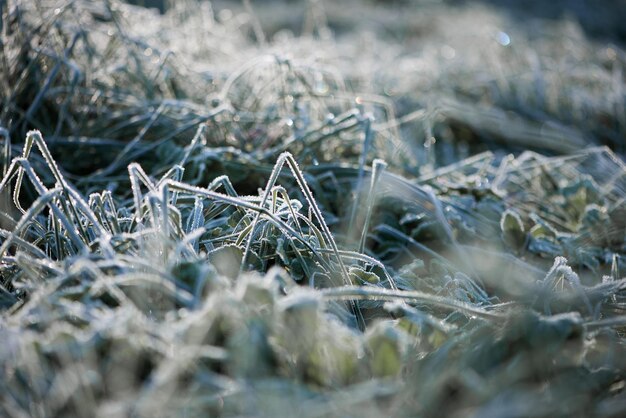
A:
(205, 221)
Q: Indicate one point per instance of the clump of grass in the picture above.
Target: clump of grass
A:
(142, 293)
(257, 237)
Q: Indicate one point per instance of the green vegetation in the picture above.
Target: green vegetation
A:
(203, 214)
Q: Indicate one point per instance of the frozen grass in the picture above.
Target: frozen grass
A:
(212, 218)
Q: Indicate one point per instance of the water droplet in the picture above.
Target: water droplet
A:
(503, 38)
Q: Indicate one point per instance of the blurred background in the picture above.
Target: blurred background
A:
(602, 19)
(490, 74)
(443, 80)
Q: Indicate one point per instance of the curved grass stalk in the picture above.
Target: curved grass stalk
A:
(378, 168)
(240, 202)
(245, 233)
(42, 263)
(78, 200)
(364, 258)
(616, 321)
(23, 166)
(137, 176)
(197, 138)
(225, 182)
(97, 203)
(315, 229)
(41, 202)
(293, 165)
(73, 198)
(376, 293)
(8, 235)
(287, 199)
(291, 162)
(174, 173)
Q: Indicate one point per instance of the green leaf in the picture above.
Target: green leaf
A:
(512, 228)
(386, 346)
(359, 276)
